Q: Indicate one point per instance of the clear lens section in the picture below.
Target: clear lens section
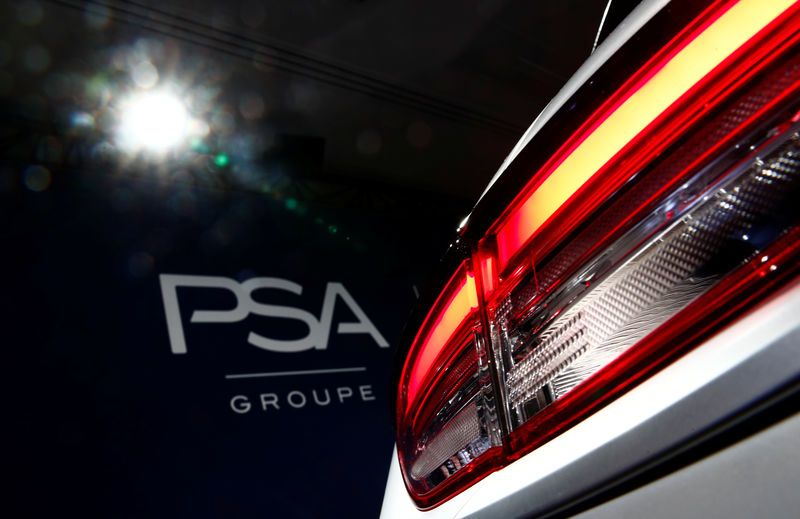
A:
(705, 230)
(457, 423)
(456, 445)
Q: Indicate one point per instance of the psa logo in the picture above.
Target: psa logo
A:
(319, 329)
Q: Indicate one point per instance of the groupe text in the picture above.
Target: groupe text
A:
(296, 399)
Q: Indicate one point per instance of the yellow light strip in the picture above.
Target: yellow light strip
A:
(718, 41)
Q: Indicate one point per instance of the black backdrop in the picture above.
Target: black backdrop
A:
(107, 421)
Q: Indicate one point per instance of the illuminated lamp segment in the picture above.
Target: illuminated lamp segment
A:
(654, 95)
(462, 302)
(488, 274)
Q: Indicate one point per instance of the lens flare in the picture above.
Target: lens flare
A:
(155, 122)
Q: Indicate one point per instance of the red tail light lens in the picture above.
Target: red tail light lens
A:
(645, 116)
(444, 390)
(669, 211)
(458, 304)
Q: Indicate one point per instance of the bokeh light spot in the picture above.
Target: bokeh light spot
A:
(291, 204)
(222, 160)
(97, 91)
(82, 120)
(198, 145)
(36, 178)
(144, 74)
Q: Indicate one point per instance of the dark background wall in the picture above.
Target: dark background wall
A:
(108, 421)
(334, 142)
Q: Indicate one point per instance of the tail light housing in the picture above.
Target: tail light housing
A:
(668, 210)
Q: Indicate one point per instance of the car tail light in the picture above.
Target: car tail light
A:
(667, 212)
(448, 422)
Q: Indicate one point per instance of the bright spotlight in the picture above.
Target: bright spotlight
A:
(153, 121)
